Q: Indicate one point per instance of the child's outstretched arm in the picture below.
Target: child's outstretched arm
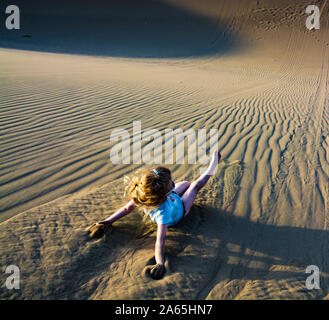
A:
(159, 244)
(97, 230)
(158, 270)
(129, 207)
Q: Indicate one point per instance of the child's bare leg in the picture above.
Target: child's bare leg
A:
(191, 193)
(181, 187)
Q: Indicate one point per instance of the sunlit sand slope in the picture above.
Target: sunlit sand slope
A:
(261, 220)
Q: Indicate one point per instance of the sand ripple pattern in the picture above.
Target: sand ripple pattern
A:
(261, 220)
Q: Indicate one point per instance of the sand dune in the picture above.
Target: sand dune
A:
(259, 222)
(143, 29)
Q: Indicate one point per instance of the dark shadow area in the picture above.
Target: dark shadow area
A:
(280, 245)
(294, 246)
(290, 248)
(188, 249)
(127, 28)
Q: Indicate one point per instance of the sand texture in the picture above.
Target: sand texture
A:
(250, 69)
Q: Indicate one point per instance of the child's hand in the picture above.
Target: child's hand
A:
(158, 271)
(97, 230)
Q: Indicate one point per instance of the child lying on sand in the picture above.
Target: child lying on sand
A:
(164, 201)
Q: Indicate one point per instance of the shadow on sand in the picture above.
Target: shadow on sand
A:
(135, 29)
(275, 245)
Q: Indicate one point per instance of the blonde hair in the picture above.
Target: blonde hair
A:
(150, 190)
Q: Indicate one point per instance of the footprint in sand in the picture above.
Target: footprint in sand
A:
(222, 189)
(232, 176)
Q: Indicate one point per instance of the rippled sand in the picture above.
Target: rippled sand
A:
(257, 225)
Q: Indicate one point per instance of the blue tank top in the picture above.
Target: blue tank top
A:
(169, 212)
